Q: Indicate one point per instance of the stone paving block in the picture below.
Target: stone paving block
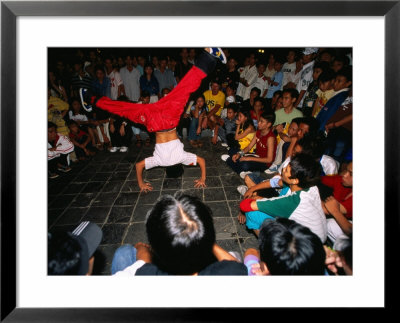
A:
(72, 216)
(120, 214)
(97, 214)
(136, 233)
(127, 198)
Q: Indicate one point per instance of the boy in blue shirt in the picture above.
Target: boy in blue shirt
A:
(276, 81)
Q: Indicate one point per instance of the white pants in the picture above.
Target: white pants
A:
(334, 230)
(106, 131)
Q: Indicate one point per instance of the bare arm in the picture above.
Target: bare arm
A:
(293, 141)
(145, 187)
(301, 94)
(221, 254)
(333, 207)
(201, 182)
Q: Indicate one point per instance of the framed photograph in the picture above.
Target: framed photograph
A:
(30, 28)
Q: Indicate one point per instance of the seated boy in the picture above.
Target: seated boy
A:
(279, 255)
(163, 117)
(301, 203)
(81, 141)
(58, 148)
(325, 90)
(182, 241)
(228, 124)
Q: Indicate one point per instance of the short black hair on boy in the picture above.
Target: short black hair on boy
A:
(278, 93)
(305, 169)
(51, 125)
(313, 146)
(64, 254)
(324, 66)
(181, 233)
(327, 75)
(288, 248)
(312, 124)
(297, 120)
(294, 94)
(232, 86)
(145, 94)
(343, 59)
(346, 72)
(71, 122)
(279, 59)
(257, 90)
(259, 99)
(233, 106)
(174, 171)
(270, 117)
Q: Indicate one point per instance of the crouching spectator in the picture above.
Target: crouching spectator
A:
(81, 141)
(286, 248)
(182, 239)
(72, 253)
(58, 148)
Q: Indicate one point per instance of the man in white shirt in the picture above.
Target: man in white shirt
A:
(306, 74)
(247, 77)
(130, 77)
(117, 86)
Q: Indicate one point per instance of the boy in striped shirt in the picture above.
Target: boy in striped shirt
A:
(162, 117)
(300, 200)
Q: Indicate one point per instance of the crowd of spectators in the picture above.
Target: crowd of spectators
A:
(286, 120)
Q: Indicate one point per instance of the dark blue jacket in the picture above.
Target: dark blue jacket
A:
(330, 108)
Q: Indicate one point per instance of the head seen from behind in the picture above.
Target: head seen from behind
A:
(288, 248)
(181, 233)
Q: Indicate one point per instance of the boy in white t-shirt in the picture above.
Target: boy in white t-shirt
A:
(289, 66)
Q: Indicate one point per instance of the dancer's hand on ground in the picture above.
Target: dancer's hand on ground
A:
(145, 187)
(241, 218)
(198, 183)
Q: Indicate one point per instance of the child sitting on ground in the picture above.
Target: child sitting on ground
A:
(257, 111)
(228, 124)
(325, 90)
(265, 143)
(81, 141)
(58, 148)
(163, 117)
(197, 110)
(301, 203)
(279, 255)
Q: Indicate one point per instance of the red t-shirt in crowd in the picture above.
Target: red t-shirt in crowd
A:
(261, 145)
(77, 136)
(340, 192)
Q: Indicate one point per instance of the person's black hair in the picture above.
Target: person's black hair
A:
(324, 66)
(51, 125)
(200, 96)
(181, 233)
(149, 65)
(297, 120)
(279, 93)
(313, 125)
(258, 99)
(346, 72)
(313, 146)
(260, 63)
(294, 94)
(163, 58)
(72, 122)
(327, 75)
(305, 169)
(123, 98)
(145, 94)
(232, 86)
(166, 88)
(174, 171)
(279, 59)
(329, 51)
(289, 248)
(343, 59)
(347, 250)
(99, 68)
(233, 106)
(257, 90)
(249, 121)
(215, 80)
(270, 117)
(64, 254)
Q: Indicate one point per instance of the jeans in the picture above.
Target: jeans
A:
(194, 123)
(124, 256)
(245, 166)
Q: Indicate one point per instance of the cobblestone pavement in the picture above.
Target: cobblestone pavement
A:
(104, 190)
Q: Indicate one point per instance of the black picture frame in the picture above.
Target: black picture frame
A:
(10, 10)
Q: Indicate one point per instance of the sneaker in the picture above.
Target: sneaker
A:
(218, 53)
(64, 169)
(243, 174)
(113, 149)
(225, 157)
(123, 149)
(53, 175)
(273, 169)
(224, 144)
(242, 189)
(85, 96)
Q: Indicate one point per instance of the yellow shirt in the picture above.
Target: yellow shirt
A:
(55, 107)
(244, 142)
(213, 100)
(323, 97)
